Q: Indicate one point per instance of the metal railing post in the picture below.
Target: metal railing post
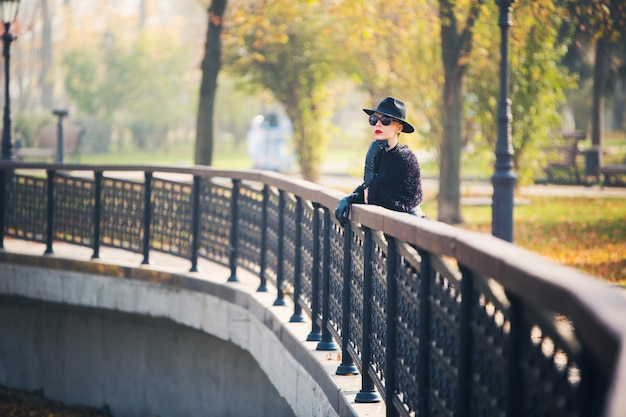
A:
(463, 404)
(426, 276)
(297, 266)
(327, 342)
(515, 387)
(592, 385)
(280, 268)
(50, 211)
(195, 222)
(347, 366)
(391, 355)
(97, 213)
(4, 192)
(264, 215)
(147, 216)
(234, 220)
(315, 335)
(367, 394)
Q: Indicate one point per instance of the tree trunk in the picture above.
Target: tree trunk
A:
(305, 135)
(619, 105)
(210, 69)
(599, 83)
(449, 199)
(455, 49)
(45, 83)
(142, 13)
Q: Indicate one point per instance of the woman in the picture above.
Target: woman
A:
(392, 174)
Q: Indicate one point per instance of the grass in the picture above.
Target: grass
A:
(586, 233)
(226, 156)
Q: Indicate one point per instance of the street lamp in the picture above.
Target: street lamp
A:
(504, 178)
(60, 113)
(8, 12)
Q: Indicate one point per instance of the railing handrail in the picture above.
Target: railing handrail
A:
(596, 308)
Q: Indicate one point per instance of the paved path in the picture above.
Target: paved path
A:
(336, 175)
(484, 188)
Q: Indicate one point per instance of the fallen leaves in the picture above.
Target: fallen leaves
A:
(17, 403)
(586, 233)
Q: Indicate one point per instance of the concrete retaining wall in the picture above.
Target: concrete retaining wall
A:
(136, 366)
(150, 343)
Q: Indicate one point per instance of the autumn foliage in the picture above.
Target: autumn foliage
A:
(585, 233)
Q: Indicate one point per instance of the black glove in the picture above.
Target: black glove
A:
(369, 171)
(342, 212)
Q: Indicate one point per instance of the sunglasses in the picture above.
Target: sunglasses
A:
(385, 120)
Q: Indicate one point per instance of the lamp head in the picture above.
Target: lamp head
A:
(8, 10)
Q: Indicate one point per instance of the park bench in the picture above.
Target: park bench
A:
(613, 175)
(47, 139)
(565, 167)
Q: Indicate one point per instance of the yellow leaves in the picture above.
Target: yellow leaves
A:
(367, 33)
(588, 234)
(485, 11)
(329, 357)
(605, 9)
(32, 403)
(586, 248)
(258, 57)
(282, 38)
(607, 261)
(238, 18)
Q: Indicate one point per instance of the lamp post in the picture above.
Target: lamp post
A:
(60, 113)
(504, 178)
(8, 11)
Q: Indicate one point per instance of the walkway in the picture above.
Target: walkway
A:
(335, 175)
(485, 188)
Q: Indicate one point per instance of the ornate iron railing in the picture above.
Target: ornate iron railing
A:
(439, 321)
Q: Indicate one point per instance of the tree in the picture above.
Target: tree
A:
(603, 24)
(390, 47)
(132, 85)
(287, 48)
(211, 65)
(45, 81)
(456, 45)
(147, 71)
(86, 83)
(31, 58)
(537, 86)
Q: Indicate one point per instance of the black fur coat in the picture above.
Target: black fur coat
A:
(397, 184)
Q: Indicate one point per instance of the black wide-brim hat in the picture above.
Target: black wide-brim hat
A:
(394, 108)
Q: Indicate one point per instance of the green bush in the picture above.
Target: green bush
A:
(26, 126)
